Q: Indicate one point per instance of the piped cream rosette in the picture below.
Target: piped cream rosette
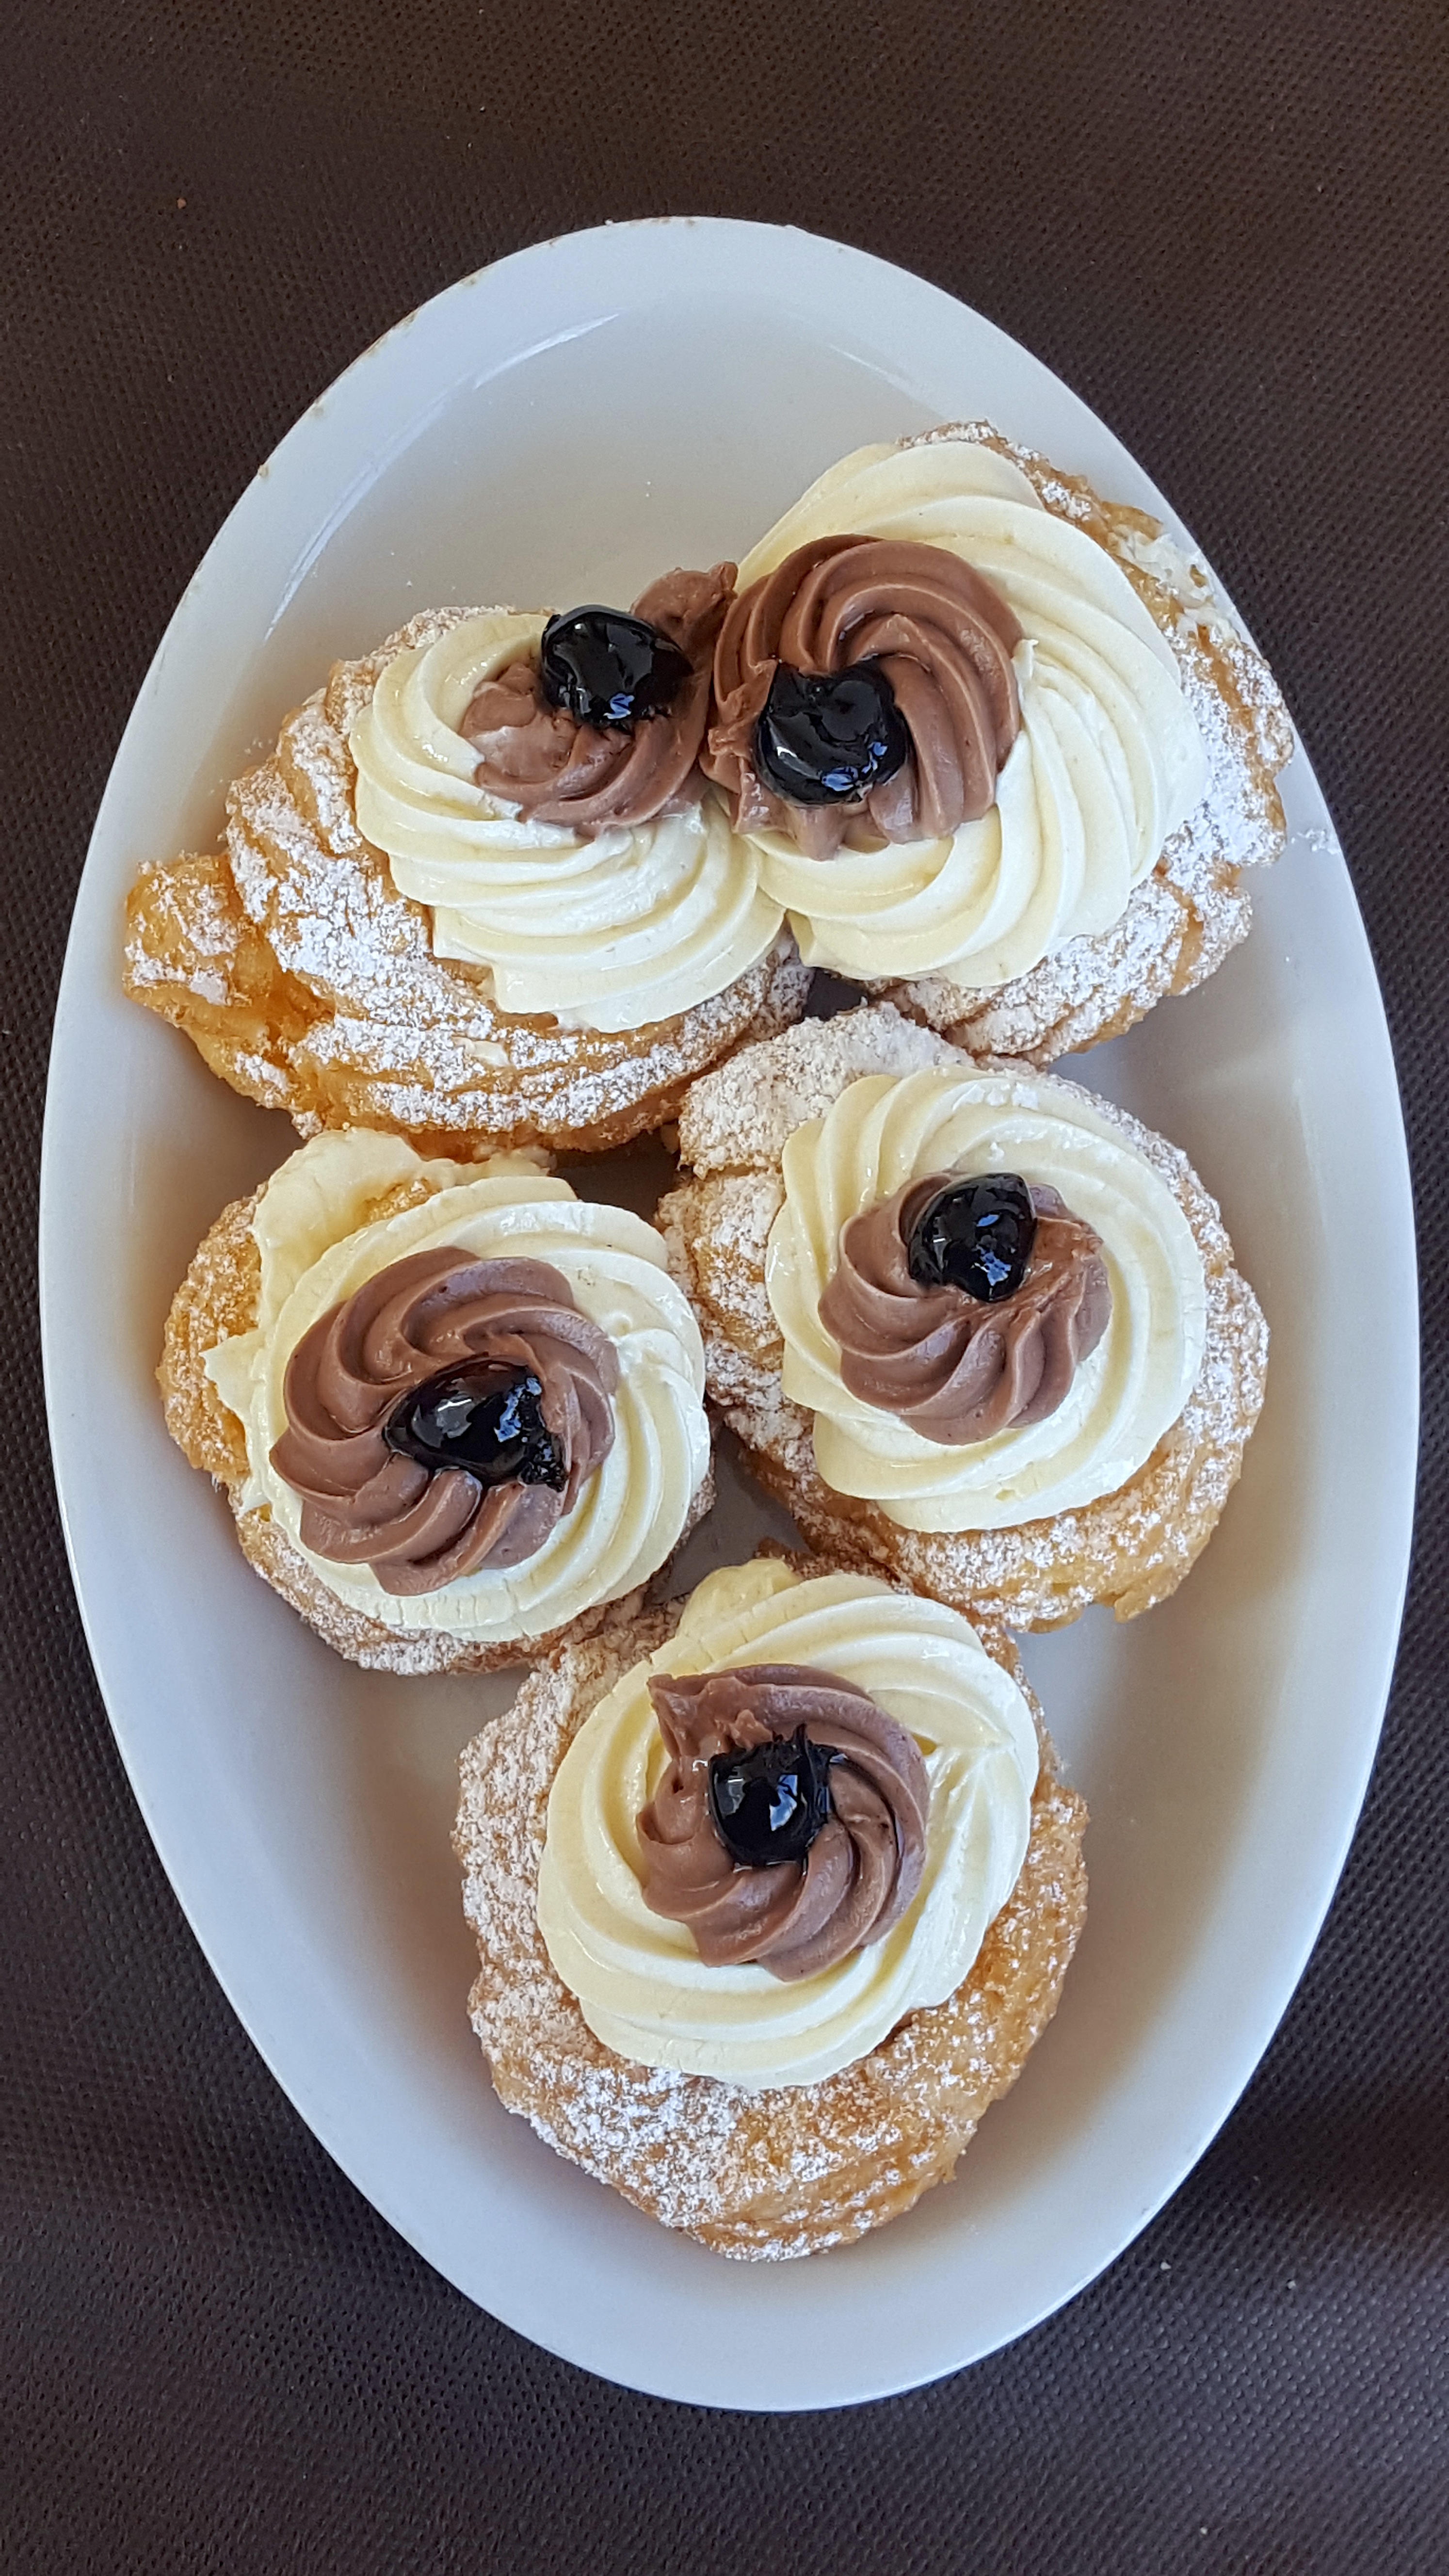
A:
(1108, 762)
(618, 932)
(885, 1131)
(316, 1249)
(639, 1980)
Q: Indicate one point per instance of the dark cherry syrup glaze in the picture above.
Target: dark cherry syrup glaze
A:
(484, 1417)
(828, 738)
(606, 668)
(975, 1235)
(768, 1805)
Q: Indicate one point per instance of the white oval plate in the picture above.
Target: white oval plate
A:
(564, 426)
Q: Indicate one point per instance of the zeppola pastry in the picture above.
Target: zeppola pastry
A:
(972, 1324)
(774, 1891)
(480, 894)
(456, 1410)
(957, 727)
(776, 1887)
(1001, 748)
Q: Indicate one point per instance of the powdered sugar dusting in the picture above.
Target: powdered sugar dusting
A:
(308, 980)
(768, 2175)
(740, 1116)
(218, 1298)
(1130, 1548)
(1182, 920)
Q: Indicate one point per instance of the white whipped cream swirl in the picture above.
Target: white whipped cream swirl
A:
(619, 932)
(642, 1986)
(1108, 762)
(887, 1130)
(317, 1246)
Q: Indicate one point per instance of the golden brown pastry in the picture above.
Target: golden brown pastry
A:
(971, 734)
(1067, 1432)
(1001, 748)
(777, 2042)
(448, 908)
(456, 1411)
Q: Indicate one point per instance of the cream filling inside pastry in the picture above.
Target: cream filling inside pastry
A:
(618, 932)
(1108, 762)
(640, 1982)
(316, 1248)
(885, 1131)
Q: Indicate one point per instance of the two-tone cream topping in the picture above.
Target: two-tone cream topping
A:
(1106, 765)
(320, 1241)
(590, 871)
(938, 637)
(885, 1133)
(599, 880)
(445, 1417)
(639, 1977)
(954, 1364)
(789, 1825)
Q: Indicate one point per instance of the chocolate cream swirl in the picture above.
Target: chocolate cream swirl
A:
(556, 770)
(417, 1527)
(862, 1869)
(947, 1364)
(942, 636)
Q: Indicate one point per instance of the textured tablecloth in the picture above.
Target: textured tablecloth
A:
(1225, 226)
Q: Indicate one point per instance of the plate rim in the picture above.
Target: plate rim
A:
(717, 233)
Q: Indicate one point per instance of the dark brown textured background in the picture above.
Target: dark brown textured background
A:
(1225, 225)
